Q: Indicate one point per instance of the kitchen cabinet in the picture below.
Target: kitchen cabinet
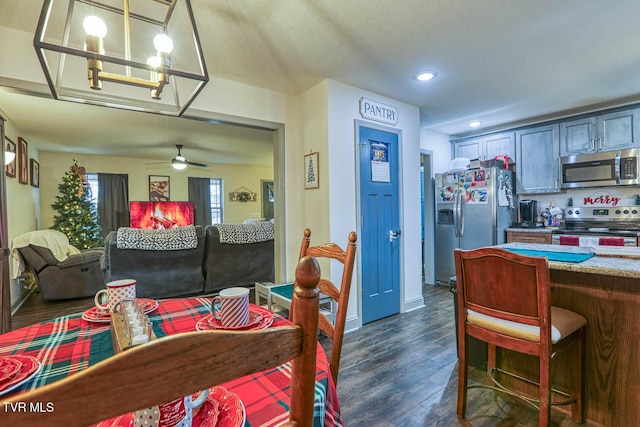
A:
(486, 147)
(529, 237)
(537, 160)
(469, 148)
(605, 132)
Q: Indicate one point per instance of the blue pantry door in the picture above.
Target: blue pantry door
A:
(379, 224)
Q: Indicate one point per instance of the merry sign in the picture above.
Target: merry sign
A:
(603, 199)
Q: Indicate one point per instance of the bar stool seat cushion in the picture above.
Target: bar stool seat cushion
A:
(563, 323)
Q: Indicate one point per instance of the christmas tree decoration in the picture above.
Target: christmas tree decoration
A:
(77, 216)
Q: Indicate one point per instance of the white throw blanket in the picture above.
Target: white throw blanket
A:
(173, 239)
(246, 233)
(56, 241)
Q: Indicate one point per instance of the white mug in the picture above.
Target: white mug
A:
(234, 307)
(116, 291)
(176, 413)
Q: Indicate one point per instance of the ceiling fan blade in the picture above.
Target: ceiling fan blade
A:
(201, 165)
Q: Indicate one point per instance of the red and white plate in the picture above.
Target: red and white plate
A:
(94, 314)
(230, 407)
(8, 367)
(259, 318)
(30, 366)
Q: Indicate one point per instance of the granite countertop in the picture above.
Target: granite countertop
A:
(530, 230)
(605, 265)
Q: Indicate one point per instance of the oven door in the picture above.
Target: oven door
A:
(592, 240)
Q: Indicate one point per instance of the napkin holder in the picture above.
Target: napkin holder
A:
(119, 336)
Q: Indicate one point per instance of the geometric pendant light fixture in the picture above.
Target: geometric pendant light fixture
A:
(142, 55)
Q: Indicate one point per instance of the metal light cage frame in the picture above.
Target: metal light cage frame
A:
(61, 46)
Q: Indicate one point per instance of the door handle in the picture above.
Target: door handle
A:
(394, 234)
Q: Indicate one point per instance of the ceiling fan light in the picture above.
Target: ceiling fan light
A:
(178, 165)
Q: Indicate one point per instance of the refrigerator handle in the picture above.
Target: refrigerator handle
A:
(456, 213)
(461, 203)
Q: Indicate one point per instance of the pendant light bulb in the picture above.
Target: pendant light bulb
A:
(94, 26)
(163, 43)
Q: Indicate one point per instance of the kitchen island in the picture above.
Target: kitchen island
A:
(606, 291)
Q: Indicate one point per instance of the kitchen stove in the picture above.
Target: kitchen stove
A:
(607, 222)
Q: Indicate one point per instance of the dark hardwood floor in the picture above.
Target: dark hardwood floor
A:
(400, 371)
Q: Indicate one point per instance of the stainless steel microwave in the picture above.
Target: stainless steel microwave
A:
(600, 169)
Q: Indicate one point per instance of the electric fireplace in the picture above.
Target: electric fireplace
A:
(160, 215)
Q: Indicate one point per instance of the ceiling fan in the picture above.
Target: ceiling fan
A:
(180, 162)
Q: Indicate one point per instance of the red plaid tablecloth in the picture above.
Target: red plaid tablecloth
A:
(69, 344)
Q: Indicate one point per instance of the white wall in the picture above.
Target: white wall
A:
(23, 201)
(439, 144)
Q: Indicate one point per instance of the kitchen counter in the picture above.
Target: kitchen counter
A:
(606, 291)
(605, 265)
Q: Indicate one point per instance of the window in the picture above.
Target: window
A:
(92, 180)
(216, 200)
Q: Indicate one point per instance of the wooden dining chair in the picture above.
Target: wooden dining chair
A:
(178, 365)
(334, 331)
(503, 299)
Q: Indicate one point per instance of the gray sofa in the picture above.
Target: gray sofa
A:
(236, 264)
(209, 267)
(158, 273)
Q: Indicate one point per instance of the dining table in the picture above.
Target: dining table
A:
(69, 344)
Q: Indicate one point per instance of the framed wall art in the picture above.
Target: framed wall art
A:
(34, 172)
(311, 171)
(10, 147)
(23, 164)
(159, 188)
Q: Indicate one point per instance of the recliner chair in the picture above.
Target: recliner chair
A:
(80, 275)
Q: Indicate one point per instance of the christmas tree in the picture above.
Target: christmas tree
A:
(77, 217)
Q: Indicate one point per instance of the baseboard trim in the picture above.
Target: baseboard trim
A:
(413, 304)
(17, 304)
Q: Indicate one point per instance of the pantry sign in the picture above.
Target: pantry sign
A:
(373, 110)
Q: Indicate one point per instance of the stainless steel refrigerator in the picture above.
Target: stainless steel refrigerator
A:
(473, 209)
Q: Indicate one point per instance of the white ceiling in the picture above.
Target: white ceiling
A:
(504, 62)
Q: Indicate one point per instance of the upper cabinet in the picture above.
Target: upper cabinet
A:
(537, 162)
(486, 147)
(605, 132)
(469, 148)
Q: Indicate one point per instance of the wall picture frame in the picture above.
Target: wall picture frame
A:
(159, 188)
(311, 171)
(34, 173)
(10, 146)
(23, 164)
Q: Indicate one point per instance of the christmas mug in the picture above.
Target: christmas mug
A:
(234, 307)
(116, 291)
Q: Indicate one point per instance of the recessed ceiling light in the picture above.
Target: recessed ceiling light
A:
(425, 76)
(475, 123)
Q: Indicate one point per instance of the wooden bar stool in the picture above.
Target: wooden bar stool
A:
(504, 299)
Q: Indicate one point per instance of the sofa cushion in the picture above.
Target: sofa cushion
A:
(173, 239)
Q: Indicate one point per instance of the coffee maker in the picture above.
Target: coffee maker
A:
(528, 210)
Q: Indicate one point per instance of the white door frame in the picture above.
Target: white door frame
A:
(429, 218)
